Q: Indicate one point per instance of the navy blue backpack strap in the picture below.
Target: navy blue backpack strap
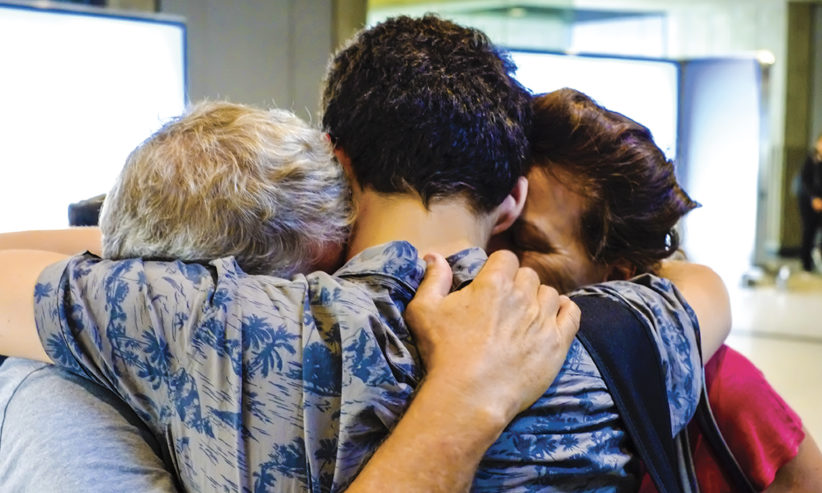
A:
(709, 429)
(722, 453)
(622, 347)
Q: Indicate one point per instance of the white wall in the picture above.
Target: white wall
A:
(263, 52)
(78, 93)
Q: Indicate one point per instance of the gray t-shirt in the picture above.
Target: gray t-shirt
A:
(96, 445)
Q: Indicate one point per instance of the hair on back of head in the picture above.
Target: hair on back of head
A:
(426, 106)
(228, 179)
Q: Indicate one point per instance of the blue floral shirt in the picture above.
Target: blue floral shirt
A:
(572, 438)
(263, 384)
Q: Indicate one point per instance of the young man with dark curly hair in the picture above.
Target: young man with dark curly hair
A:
(380, 96)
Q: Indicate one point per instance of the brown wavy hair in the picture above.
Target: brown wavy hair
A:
(633, 198)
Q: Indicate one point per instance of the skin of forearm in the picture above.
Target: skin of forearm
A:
(803, 473)
(68, 241)
(441, 434)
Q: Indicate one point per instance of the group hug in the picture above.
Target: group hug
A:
(387, 300)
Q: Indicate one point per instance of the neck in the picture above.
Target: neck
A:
(447, 227)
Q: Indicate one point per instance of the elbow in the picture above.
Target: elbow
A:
(724, 305)
(716, 318)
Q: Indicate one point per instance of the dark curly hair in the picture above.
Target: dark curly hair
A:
(427, 106)
(633, 198)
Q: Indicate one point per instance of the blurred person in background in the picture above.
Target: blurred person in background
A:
(810, 203)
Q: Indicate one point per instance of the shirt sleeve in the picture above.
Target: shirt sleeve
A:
(50, 315)
(674, 328)
(761, 429)
(98, 319)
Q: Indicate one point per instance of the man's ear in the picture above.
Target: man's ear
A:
(348, 169)
(511, 207)
(345, 161)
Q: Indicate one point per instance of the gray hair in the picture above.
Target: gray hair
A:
(228, 179)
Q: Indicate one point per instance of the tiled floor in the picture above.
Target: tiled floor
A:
(778, 326)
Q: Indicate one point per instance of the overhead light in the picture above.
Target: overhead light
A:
(517, 12)
(765, 57)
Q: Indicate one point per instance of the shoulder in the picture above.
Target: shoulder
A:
(661, 305)
(36, 414)
(655, 298)
(13, 372)
(673, 327)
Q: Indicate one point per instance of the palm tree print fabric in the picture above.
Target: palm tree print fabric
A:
(263, 384)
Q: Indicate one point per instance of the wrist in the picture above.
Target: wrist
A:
(468, 406)
(442, 433)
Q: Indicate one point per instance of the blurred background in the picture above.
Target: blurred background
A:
(731, 89)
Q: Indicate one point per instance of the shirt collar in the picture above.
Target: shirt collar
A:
(465, 265)
(400, 260)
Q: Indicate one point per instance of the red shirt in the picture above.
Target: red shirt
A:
(761, 430)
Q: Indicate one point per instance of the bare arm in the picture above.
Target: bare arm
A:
(23, 256)
(704, 290)
(803, 473)
(18, 333)
(491, 349)
(69, 241)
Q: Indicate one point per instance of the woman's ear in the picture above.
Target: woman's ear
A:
(511, 207)
(621, 270)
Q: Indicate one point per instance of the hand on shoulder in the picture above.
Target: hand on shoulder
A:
(500, 341)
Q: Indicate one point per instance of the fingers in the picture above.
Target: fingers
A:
(568, 317)
(527, 280)
(525, 296)
(499, 270)
(432, 290)
(547, 301)
(559, 319)
(437, 281)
